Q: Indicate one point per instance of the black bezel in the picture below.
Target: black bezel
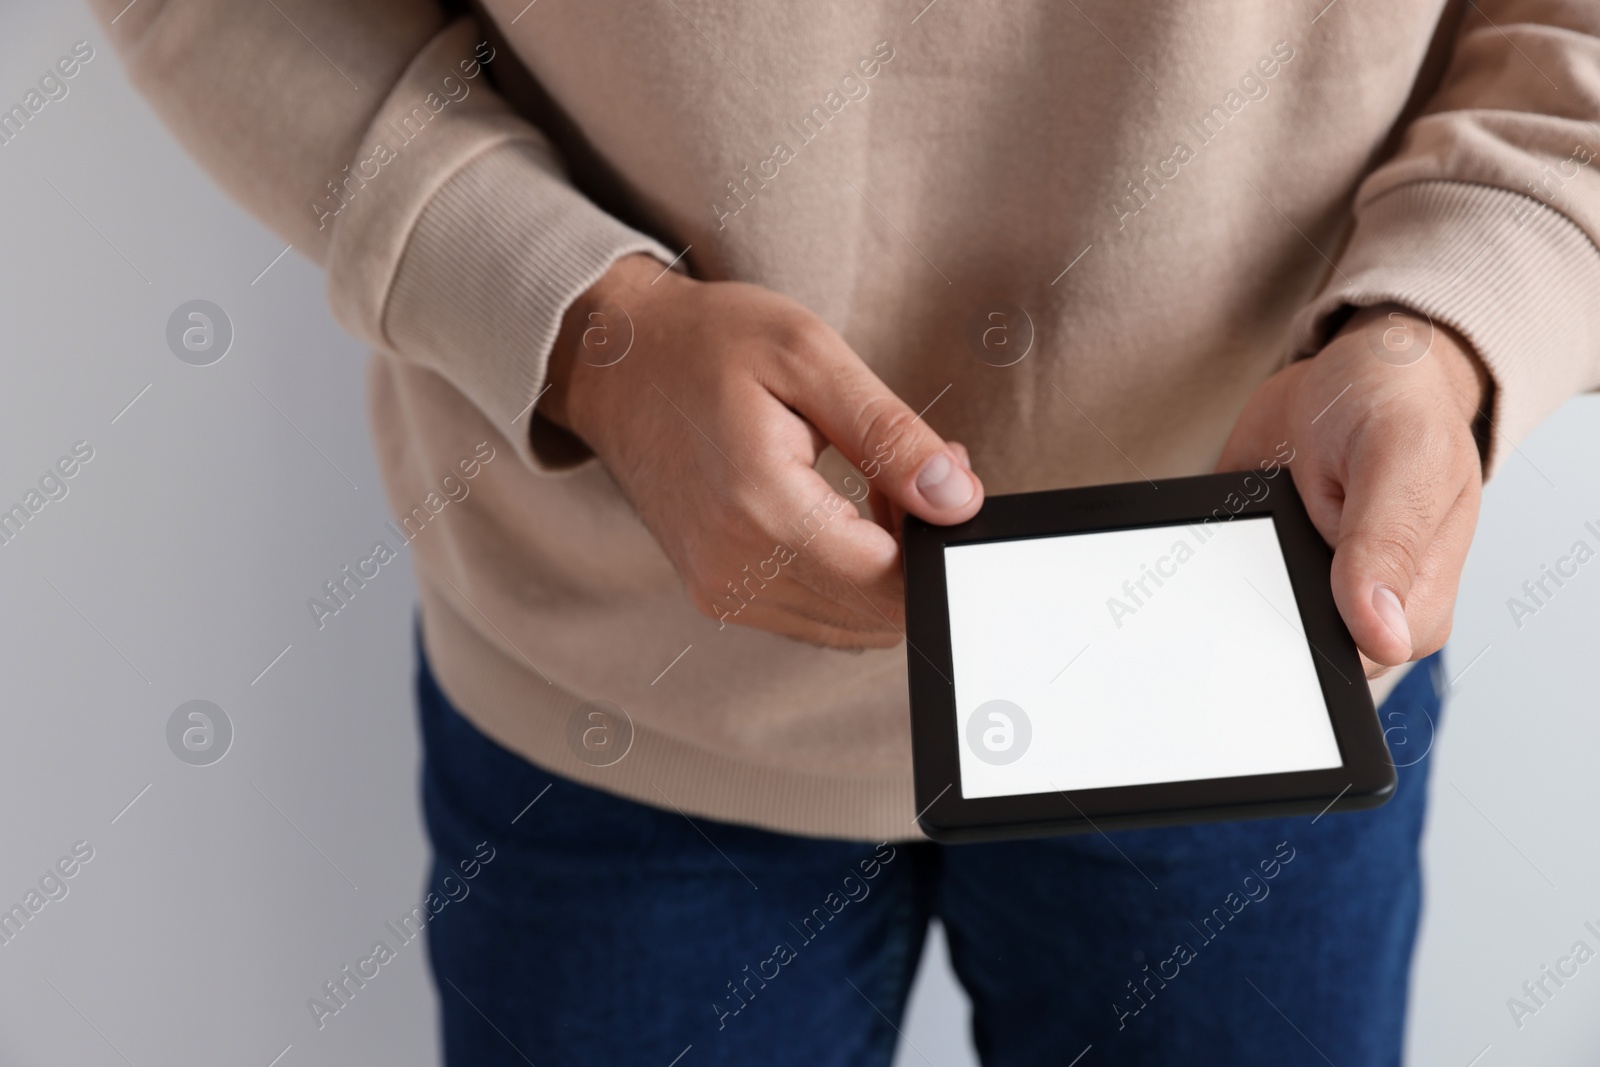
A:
(1366, 779)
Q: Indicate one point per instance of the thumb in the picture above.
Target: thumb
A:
(1391, 512)
(889, 443)
(890, 514)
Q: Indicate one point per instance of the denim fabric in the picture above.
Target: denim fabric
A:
(605, 932)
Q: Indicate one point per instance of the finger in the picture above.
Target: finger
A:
(1401, 485)
(897, 518)
(854, 564)
(821, 541)
(760, 595)
(888, 590)
(897, 513)
(1430, 608)
(789, 574)
(893, 514)
(884, 513)
(1374, 671)
(882, 436)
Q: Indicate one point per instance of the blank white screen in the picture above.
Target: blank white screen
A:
(1201, 671)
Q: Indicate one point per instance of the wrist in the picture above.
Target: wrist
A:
(597, 331)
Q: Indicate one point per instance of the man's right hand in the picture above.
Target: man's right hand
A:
(712, 426)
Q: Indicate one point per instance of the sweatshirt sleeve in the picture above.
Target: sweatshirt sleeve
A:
(366, 133)
(1487, 218)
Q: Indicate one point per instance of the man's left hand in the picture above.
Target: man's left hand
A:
(1381, 424)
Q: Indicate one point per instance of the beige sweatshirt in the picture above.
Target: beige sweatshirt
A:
(1165, 202)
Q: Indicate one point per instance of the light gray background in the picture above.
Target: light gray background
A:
(179, 565)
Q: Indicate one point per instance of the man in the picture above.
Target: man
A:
(723, 270)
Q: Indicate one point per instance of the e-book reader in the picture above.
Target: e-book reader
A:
(1133, 655)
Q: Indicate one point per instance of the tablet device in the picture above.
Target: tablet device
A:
(1133, 655)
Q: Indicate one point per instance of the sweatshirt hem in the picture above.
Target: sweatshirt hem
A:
(531, 716)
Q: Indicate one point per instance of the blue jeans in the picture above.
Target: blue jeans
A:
(602, 931)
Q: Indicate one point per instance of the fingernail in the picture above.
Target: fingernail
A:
(1387, 605)
(943, 483)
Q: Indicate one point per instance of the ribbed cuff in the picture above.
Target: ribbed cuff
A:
(1513, 276)
(465, 251)
(500, 253)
